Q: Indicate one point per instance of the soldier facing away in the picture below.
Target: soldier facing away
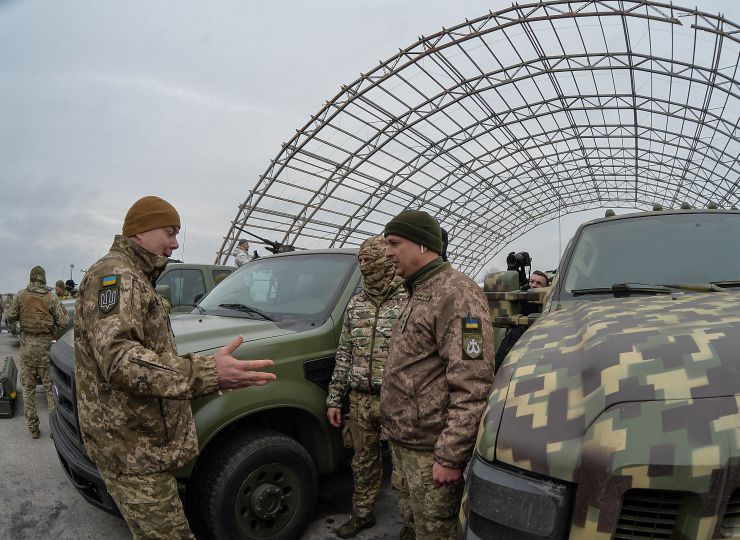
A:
(360, 359)
(132, 386)
(40, 314)
(437, 378)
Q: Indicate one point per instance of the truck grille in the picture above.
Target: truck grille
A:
(62, 377)
(731, 521)
(648, 513)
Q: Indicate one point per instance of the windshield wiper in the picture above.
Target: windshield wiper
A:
(247, 309)
(727, 283)
(624, 289)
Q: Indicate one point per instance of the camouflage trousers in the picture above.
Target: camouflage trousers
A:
(362, 432)
(432, 510)
(150, 505)
(28, 382)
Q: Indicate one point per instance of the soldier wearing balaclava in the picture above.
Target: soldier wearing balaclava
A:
(360, 360)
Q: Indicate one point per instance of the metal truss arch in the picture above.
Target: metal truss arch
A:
(505, 122)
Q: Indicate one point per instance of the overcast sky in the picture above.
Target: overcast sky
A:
(103, 102)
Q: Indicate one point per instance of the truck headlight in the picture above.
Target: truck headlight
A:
(508, 503)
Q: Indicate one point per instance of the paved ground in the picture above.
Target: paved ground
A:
(38, 500)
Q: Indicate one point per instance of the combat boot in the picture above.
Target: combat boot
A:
(355, 525)
(407, 533)
(35, 433)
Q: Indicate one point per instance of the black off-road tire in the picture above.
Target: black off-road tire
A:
(259, 486)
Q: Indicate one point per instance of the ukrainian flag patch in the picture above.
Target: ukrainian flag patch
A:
(109, 281)
(471, 323)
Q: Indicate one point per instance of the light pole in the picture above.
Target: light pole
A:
(71, 267)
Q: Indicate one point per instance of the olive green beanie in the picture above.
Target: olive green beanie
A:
(38, 274)
(149, 213)
(417, 226)
(59, 284)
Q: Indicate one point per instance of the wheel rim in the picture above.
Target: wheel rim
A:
(267, 500)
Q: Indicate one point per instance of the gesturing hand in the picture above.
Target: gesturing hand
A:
(233, 373)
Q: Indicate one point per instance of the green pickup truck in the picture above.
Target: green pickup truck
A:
(183, 284)
(261, 447)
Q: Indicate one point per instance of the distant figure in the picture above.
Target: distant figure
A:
(538, 279)
(61, 291)
(40, 314)
(71, 288)
(241, 253)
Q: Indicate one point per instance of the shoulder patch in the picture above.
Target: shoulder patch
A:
(472, 338)
(109, 294)
(423, 297)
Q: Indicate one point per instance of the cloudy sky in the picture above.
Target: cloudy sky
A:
(103, 102)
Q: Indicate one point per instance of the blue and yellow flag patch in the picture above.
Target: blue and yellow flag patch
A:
(109, 281)
(471, 323)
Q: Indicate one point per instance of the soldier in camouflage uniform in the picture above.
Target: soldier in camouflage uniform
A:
(361, 356)
(61, 291)
(132, 387)
(39, 313)
(438, 375)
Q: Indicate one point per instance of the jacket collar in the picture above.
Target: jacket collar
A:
(149, 263)
(425, 272)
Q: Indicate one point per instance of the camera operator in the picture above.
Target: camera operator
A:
(536, 280)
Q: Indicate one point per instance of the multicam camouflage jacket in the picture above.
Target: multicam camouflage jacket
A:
(363, 344)
(440, 367)
(132, 387)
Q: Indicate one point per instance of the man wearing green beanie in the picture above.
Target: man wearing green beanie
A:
(133, 389)
(40, 315)
(437, 377)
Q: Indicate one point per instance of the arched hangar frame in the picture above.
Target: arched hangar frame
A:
(508, 121)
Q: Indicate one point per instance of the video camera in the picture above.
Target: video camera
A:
(517, 261)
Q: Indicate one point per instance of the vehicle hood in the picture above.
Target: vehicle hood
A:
(203, 333)
(593, 356)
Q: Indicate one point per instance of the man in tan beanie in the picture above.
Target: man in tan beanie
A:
(132, 387)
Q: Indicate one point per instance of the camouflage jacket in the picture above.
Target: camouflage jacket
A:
(132, 387)
(440, 367)
(38, 310)
(41, 315)
(363, 344)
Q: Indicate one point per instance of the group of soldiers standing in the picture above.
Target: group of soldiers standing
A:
(416, 355)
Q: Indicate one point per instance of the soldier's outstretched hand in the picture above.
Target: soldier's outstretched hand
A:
(233, 373)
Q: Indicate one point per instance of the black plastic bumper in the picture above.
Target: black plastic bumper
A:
(81, 471)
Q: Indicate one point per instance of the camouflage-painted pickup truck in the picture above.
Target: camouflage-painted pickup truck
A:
(617, 414)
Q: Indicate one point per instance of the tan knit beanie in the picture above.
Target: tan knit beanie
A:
(150, 213)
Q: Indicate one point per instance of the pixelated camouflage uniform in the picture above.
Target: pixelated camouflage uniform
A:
(39, 313)
(133, 388)
(435, 387)
(360, 360)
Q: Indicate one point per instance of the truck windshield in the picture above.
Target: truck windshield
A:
(672, 249)
(304, 286)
